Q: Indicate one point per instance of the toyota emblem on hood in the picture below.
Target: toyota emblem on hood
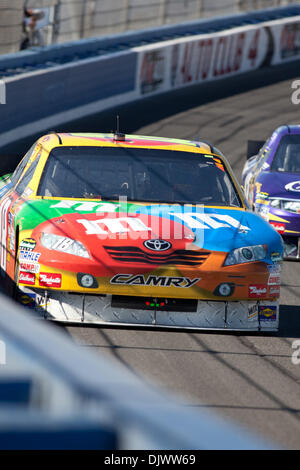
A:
(157, 245)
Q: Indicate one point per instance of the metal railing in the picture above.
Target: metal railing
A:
(66, 20)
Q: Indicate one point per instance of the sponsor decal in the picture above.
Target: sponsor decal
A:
(257, 290)
(28, 300)
(293, 186)
(275, 290)
(209, 221)
(50, 279)
(27, 278)
(41, 302)
(274, 268)
(157, 281)
(276, 257)
(116, 225)
(263, 195)
(267, 313)
(28, 244)
(290, 40)
(279, 227)
(119, 225)
(152, 71)
(87, 206)
(253, 312)
(216, 57)
(26, 255)
(29, 267)
(274, 279)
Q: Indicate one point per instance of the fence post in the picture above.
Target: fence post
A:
(200, 5)
(163, 10)
(56, 21)
(126, 18)
(82, 22)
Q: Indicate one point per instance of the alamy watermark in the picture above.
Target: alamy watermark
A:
(296, 352)
(2, 92)
(295, 98)
(2, 353)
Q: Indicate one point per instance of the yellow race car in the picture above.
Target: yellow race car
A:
(123, 229)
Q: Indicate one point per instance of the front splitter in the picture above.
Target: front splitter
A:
(262, 315)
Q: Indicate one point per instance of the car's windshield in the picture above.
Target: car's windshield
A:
(287, 156)
(149, 175)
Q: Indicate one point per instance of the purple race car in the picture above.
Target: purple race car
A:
(271, 180)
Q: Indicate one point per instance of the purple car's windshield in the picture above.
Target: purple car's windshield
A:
(287, 156)
(149, 175)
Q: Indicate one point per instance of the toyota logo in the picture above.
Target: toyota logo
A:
(157, 245)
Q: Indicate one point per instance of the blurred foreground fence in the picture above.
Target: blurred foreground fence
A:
(56, 395)
(68, 20)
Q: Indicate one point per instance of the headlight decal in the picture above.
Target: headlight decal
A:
(63, 244)
(291, 206)
(246, 254)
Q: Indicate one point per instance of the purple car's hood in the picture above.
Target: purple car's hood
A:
(284, 185)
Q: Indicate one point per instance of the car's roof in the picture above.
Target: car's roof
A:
(293, 128)
(116, 140)
(288, 129)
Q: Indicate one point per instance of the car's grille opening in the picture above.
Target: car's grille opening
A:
(150, 303)
(132, 254)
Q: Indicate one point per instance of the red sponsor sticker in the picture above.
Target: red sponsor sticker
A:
(280, 228)
(27, 278)
(29, 267)
(257, 290)
(274, 279)
(275, 290)
(50, 280)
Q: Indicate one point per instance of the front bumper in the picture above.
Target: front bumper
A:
(100, 310)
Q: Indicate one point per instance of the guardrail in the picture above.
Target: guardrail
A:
(139, 66)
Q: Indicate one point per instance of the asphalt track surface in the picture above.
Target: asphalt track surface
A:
(247, 378)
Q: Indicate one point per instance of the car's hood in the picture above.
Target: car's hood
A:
(112, 224)
(281, 185)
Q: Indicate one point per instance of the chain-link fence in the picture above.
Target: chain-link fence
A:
(27, 23)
